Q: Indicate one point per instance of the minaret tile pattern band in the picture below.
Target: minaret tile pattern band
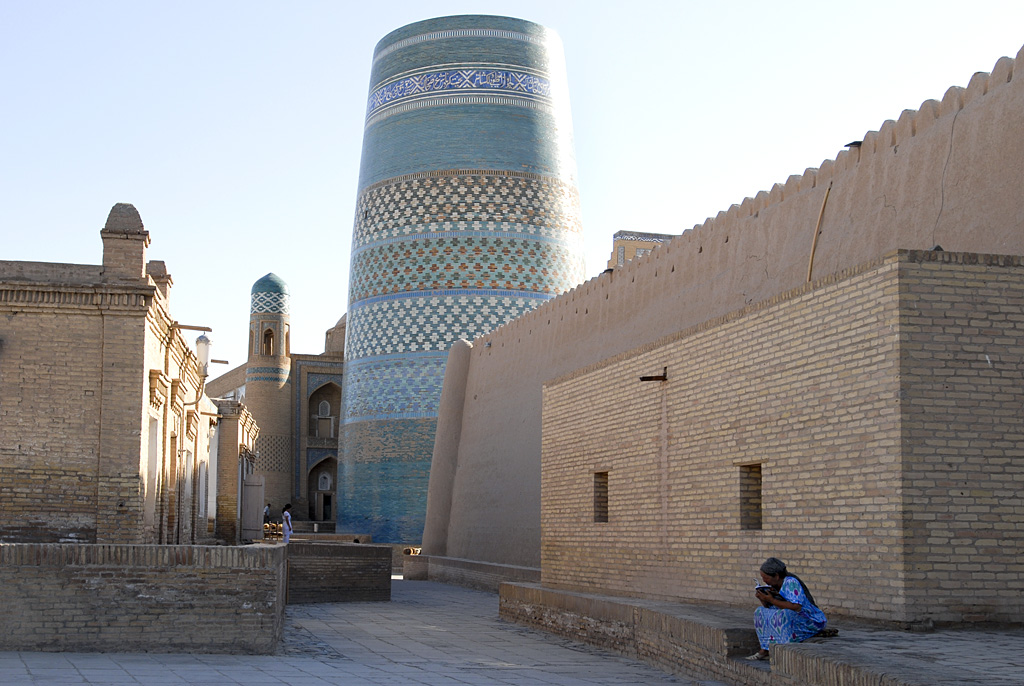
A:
(467, 216)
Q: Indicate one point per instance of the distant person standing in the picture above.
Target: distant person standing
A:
(266, 514)
(286, 518)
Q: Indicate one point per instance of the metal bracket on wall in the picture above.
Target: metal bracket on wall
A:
(660, 377)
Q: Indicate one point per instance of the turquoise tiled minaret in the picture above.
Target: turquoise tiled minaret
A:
(268, 385)
(467, 216)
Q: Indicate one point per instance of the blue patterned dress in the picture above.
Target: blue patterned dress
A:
(775, 625)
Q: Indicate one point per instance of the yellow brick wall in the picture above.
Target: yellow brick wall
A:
(962, 371)
(71, 400)
(832, 390)
(76, 362)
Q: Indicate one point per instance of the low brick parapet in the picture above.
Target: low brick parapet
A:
(331, 572)
(141, 598)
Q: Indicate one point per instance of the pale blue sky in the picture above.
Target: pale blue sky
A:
(235, 127)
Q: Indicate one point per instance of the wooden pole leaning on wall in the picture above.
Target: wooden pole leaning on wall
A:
(817, 231)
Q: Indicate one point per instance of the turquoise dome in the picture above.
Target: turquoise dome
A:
(269, 296)
(271, 283)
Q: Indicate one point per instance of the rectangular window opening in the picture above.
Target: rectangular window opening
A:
(600, 496)
(750, 497)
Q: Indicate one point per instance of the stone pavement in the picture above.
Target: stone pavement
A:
(435, 634)
(945, 657)
(429, 633)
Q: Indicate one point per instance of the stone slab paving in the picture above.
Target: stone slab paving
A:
(440, 635)
(944, 657)
(430, 633)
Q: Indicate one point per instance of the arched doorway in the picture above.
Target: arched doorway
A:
(322, 489)
(324, 407)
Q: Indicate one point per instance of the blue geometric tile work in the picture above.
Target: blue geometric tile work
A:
(382, 482)
(315, 381)
(461, 79)
(430, 321)
(405, 386)
(464, 261)
(423, 102)
(277, 374)
(467, 217)
(276, 303)
(452, 202)
(471, 230)
(456, 33)
(493, 137)
(314, 456)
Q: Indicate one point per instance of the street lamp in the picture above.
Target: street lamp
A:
(203, 353)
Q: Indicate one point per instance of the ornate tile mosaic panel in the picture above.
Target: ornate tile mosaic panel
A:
(427, 321)
(277, 374)
(276, 303)
(461, 79)
(526, 205)
(464, 262)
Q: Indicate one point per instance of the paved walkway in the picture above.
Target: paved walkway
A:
(429, 633)
(946, 657)
(437, 635)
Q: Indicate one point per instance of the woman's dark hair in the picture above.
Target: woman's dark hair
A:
(289, 506)
(773, 566)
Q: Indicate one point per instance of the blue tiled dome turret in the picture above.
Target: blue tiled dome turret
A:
(269, 294)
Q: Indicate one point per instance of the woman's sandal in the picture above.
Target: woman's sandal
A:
(759, 655)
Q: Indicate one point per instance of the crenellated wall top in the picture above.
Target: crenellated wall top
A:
(930, 177)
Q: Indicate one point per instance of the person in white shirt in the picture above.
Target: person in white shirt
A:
(286, 517)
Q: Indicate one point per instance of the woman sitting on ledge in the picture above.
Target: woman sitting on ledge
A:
(789, 614)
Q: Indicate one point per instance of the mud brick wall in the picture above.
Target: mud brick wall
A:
(948, 174)
(469, 573)
(141, 598)
(338, 572)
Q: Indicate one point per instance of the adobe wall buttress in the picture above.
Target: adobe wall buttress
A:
(946, 175)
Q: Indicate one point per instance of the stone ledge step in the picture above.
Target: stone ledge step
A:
(711, 640)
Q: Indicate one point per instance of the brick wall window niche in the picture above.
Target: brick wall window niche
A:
(750, 497)
(268, 342)
(600, 496)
